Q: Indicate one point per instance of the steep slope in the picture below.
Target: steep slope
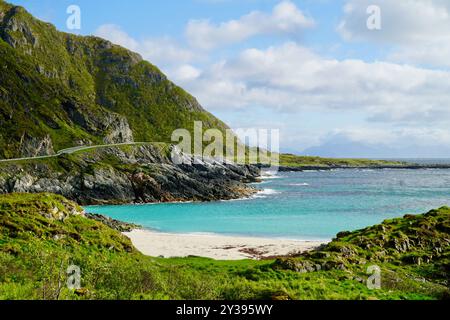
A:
(58, 90)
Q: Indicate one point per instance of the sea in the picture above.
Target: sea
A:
(312, 205)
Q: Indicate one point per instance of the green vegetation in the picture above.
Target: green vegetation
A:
(290, 160)
(42, 234)
(59, 90)
(296, 161)
(70, 90)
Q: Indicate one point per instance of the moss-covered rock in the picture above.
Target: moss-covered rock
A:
(418, 244)
(53, 218)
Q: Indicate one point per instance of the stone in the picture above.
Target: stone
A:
(146, 176)
(36, 146)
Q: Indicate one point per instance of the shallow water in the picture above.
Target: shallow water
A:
(301, 205)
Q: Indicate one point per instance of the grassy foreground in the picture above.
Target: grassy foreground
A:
(42, 234)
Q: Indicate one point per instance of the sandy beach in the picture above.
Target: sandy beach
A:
(217, 247)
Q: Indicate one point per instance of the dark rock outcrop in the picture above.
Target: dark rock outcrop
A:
(35, 146)
(112, 223)
(412, 242)
(131, 174)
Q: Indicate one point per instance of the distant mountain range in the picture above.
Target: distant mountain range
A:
(341, 147)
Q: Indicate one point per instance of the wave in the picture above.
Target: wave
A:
(265, 175)
(322, 170)
(268, 192)
(299, 184)
(259, 195)
(264, 193)
(270, 177)
(239, 199)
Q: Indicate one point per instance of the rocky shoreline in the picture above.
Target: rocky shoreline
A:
(132, 174)
(143, 174)
(112, 223)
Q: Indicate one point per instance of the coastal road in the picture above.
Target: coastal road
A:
(76, 149)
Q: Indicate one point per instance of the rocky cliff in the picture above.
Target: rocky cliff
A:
(59, 90)
(127, 174)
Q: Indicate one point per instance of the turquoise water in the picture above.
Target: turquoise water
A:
(302, 205)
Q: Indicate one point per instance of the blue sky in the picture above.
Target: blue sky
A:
(143, 18)
(311, 68)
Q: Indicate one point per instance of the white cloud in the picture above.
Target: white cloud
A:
(384, 143)
(291, 78)
(116, 35)
(186, 73)
(160, 51)
(433, 54)
(399, 104)
(285, 19)
(417, 30)
(406, 21)
(390, 137)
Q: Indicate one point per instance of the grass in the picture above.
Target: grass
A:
(72, 89)
(38, 243)
(69, 87)
(290, 160)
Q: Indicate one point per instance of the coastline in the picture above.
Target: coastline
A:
(218, 247)
(331, 168)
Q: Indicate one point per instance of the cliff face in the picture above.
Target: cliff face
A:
(34, 147)
(138, 174)
(60, 90)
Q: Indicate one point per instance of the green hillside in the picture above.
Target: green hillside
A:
(295, 161)
(58, 90)
(42, 234)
